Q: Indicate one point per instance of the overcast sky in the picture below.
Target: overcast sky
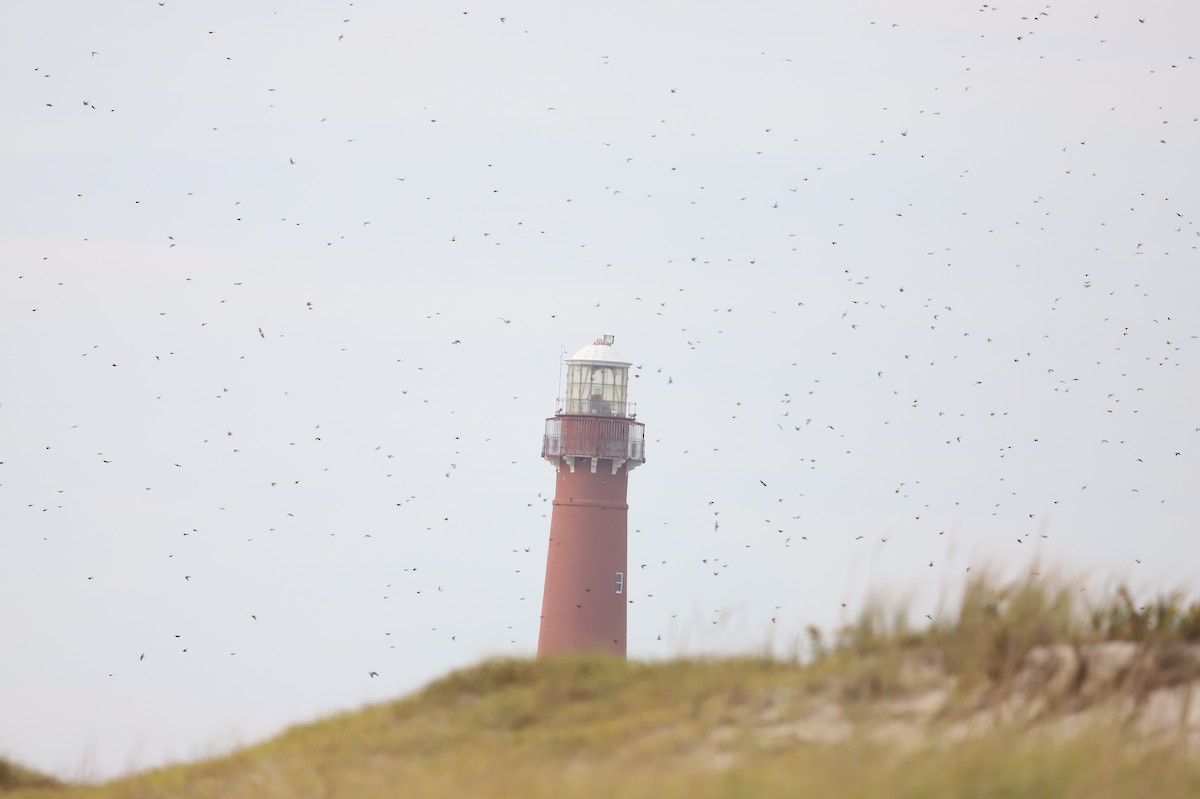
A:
(284, 289)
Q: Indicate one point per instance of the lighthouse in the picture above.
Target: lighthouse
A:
(593, 442)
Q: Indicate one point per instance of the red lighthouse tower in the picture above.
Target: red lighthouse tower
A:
(593, 443)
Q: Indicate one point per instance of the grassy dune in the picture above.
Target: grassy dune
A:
(1024, 692)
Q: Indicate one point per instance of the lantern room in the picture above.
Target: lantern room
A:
(597, 382)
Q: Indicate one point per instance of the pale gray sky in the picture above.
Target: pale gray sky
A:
(928, 270)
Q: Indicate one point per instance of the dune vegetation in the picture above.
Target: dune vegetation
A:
(1025, 690)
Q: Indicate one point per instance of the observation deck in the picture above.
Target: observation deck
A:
(594, 438)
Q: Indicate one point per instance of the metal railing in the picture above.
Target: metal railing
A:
(583, 437)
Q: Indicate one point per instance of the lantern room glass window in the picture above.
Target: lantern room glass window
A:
(596, 389)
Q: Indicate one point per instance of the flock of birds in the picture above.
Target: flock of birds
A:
(299, 394)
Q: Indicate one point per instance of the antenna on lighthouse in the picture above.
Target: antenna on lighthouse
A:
(562, 352)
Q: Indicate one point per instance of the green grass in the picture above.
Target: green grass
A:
(996, 624)
(854, 722)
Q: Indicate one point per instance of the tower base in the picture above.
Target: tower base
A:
(584, 605)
